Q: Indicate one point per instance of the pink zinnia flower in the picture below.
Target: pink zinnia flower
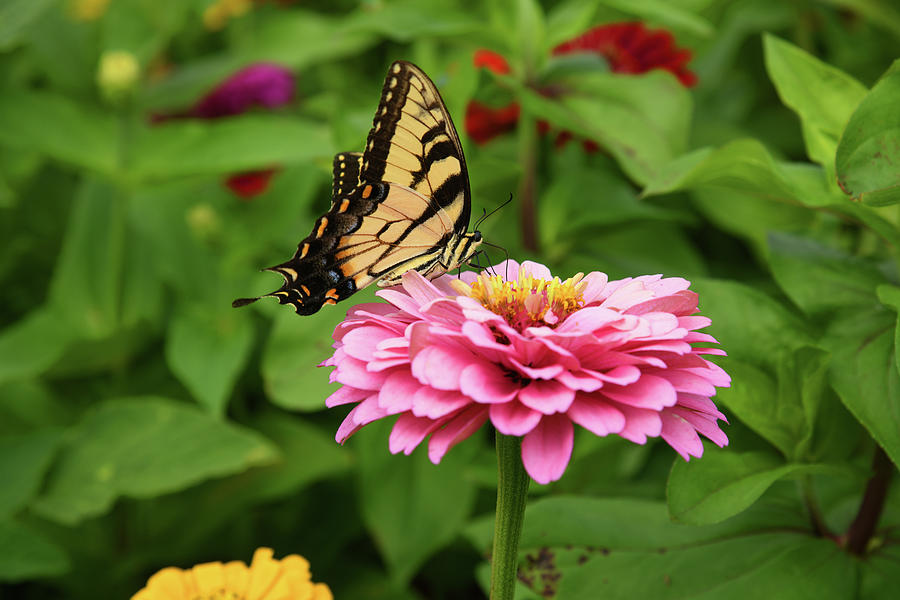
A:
(534, 355)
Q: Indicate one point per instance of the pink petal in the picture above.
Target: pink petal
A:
(441, 367)
(457, 428)
(487, 383)
(547, 397)
(700, 404)
(694, 322)
(682, 302)
(352, 372)
(444, 310)
(685, 381)
(548, 372)
(396, 394)
(432, 403)
(401, 300)
(640, 423)
(649, 391)
(583, 381)
(664, 287)
(588, 319)
(361, 342)
(596, 282)
(536, 270)
(547, 448)
(420, 289)
(513, 418)
(679, 434)
(346, 395)
(704, 424)
(368, 410)
(408, 433)
(596, 415)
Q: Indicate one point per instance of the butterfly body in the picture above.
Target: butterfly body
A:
(403, 204)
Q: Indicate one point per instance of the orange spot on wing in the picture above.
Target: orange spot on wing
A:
(323, 223)
(305, 289)
(330, 301)
(344, 205)
(332, 293)
(304, 250)
(367, 191)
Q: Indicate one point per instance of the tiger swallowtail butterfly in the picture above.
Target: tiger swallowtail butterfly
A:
(403, 204)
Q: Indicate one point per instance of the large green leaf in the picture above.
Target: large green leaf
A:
(16, 16)
(869, 151)
(28, 555)
(144, 447)
(59, 127)
(669, 14)
(254, 141)
(206, 350)
(750, 325)
(821, 279)
(724, 483)
(823, 96)
(755, 567)
(411, 507)
(781, 405)
(23, 461)
(864, 370)
(293, 352)
(748, 167)
(641, 120)
(32, 345)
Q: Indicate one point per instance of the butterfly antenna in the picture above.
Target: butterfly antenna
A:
(485, 214)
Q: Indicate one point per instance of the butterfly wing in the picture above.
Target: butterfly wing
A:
(345, 170)
(413, 143)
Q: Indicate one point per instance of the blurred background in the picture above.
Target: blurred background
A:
(155, 154)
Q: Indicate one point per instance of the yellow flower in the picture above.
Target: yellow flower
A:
(265, 579)
(118, 73)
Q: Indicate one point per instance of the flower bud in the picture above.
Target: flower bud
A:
(117, 74)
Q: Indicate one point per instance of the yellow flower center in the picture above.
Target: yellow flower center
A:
(527, 301)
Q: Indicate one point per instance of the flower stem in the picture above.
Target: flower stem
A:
(512, 491)
(863, 526)
(528, 147)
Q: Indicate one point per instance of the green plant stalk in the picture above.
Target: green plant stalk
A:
(512, 491)
(528, 150)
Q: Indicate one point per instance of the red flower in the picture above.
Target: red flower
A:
(627, 47)
(250, 183)
(632, 48)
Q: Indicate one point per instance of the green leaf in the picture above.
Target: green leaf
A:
(568, 19)
(755, 567)
(746, 166)
(206, 350)
(723, 483)
(879, 575)
(751, 326)
(16, 16)
(530, 26)
(781, 406)
(406, 21)
(143, 447)
(411, 507)
(28, 555)
(823, 96)
(24, 459)
(668, 14)
(58, 127)
(240, 143)
(821, 279)
(642, 120)
(32, 345)
(869, 151)
(864, 372)
(292, 377)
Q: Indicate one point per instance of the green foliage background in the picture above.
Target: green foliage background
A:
(145, 423)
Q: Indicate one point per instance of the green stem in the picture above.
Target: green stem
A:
(512, 491)
(816, 519)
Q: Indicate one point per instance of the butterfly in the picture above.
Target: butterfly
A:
(403, 204)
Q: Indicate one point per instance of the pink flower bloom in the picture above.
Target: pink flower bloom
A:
(265, 85)
(534, 355)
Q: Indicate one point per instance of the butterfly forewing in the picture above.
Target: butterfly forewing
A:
(413, 143)
(345, 170)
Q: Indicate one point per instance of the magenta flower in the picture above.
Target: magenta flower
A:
(533, 355)
(265, 85)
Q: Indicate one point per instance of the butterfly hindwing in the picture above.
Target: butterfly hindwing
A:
(345, 173)
(413, 143)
